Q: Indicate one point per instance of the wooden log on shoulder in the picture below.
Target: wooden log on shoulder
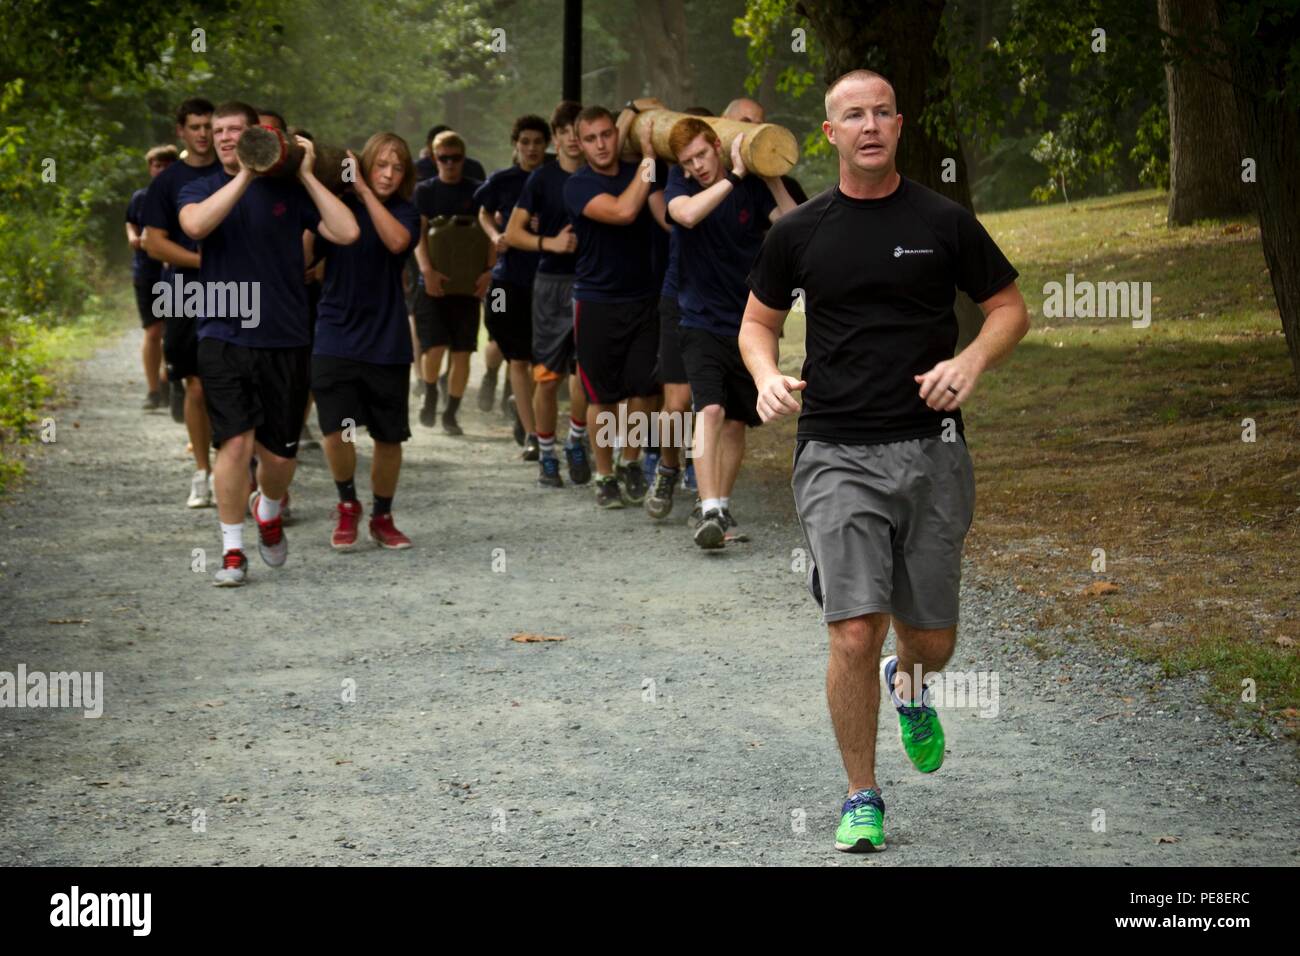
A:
(269, 152)
(768, 149)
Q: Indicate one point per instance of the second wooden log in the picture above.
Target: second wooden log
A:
(768, 149)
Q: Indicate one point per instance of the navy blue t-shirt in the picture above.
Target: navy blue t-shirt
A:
(499, 194)
(259, 241)
(669, 289)
(543, 197)
(145, 270)
(615, 263)
(161, 202)
(714, 258)
(433, 198)
(362, 310)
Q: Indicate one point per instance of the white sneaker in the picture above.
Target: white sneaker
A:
(200, 491)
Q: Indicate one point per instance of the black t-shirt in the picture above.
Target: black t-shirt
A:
(543, 197)
(498, 194)
(362, 311)
(256, 254)
(716, 255)
(879, 278)
(145, 270)
(615, 263)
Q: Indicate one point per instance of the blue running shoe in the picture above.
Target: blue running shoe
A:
(649, 462)
(579, 463)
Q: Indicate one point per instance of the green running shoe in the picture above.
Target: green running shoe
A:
(918, 726)
(862, 823)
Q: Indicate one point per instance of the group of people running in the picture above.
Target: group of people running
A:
(622, 283)
(651, 288)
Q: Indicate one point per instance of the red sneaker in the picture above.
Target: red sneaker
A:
(345, 527)
(386, 534)
(271, 542)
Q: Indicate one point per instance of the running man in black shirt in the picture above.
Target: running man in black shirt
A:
(883, 483)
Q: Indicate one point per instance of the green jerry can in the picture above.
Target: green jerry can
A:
(458, 248)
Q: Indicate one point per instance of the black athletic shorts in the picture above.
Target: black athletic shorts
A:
(449, 320)
(181, 347)
(264, 390)
(144, 304)
(508, 315)
(671, 369)
(618, 349)
(718, 375)
(368, 394)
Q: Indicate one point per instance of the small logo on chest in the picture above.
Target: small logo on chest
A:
(279, 209)
(899, 252)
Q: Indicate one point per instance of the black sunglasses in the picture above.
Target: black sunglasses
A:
(444, 158)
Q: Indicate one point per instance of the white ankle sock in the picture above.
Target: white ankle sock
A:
(232, 537)
(710, 504)
(266, 508)
(726, 502)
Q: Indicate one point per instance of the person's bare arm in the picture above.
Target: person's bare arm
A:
(487, 221)
(659, 209)
(784, 201)
(518, 236)
(760, 334)
(166, 250)
(337, 224)
(134, 239)
(690, 211)
(199, 219)
(622, 210)
(1006, 320)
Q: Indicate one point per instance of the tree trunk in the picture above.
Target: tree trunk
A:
(662, 36)
(897, 40)
(1204, 155)
(1270, 136)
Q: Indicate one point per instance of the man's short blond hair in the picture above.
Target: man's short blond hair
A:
(857, 76)
(449, 138)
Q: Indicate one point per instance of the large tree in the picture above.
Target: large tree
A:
(1204, 152)
(898, 41)
(1262, 43)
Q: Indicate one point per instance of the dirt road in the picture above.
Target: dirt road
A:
(681, 721)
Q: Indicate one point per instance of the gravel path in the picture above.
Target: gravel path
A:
(682, 721)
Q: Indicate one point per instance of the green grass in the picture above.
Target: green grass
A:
(1095, 434)
(37, 361)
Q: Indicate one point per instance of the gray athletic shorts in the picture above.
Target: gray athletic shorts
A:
(885, 526)
(553, 346)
